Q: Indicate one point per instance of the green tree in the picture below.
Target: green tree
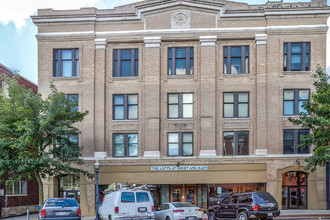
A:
(317, 120)
(36, 134)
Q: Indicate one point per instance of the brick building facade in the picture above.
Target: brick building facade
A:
(192, 97)
(23, 193)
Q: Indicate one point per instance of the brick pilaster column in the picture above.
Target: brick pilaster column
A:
(99, 98)
(151, 100)
(261, 94)
(208, 97)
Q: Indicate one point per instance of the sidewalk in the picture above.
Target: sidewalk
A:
(304, 214)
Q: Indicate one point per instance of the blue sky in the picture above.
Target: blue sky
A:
(18, 45)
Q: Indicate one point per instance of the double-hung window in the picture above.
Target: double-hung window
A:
(291, 140)
(181, 61)
(17, 188)
(236, 143)
(235, 104)
(180, 105)
(293, 100)
(125, 145)
(296, 56)
(236, 59)
(125, 62)
(125, 107)
(73, 98)
(180, 144)
(66, 62)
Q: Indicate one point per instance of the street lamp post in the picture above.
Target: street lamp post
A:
(97, 167)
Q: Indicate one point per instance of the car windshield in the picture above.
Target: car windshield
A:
(61, 203)
(264, 197)
(183, 204)
(142, 197)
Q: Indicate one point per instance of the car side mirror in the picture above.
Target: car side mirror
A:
(38, 207)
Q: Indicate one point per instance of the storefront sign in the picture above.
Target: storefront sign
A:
(174, 168)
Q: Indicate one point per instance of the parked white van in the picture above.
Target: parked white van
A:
(127, 204)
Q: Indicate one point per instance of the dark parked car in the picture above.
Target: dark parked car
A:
(61, 209)
(243, 206)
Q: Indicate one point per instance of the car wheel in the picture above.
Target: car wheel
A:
(168, 218)
(110, 217)
(242, 216)
(211, 216)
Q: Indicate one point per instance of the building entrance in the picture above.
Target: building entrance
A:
(183, 193)
(294, 190)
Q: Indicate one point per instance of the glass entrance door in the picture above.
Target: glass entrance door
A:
(191, 194)
(294, 190)
(293, 197)
(175, 194)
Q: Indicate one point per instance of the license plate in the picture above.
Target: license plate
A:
(190, 218)
(142, 209)
(270, 214)
(62, 213)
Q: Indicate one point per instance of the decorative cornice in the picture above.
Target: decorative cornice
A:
(152, 41)
(322, 28)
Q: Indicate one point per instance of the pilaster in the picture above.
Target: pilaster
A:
(100, 97)
(151, 66)
(261, 95)
(208, 97)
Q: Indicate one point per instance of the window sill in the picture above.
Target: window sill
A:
(16, 195)
(179, 76)
(119, 78)
(54, 78)
(237, 75)
(236, 119)
(124, 120)
(180, 119)
(297, 72)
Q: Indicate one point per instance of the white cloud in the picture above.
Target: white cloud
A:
(18, 11)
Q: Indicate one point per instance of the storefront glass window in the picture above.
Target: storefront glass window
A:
(165, 193)
(202, 196)
(217, 192)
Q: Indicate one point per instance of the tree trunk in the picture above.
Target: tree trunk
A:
(41, 190)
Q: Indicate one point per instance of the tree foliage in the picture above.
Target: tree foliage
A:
(317, 120)
(30, 129)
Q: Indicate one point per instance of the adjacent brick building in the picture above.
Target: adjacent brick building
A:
(22, 193)
(190, 96)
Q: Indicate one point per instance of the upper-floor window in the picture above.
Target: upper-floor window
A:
(181, 61)
(66, 62)
(125, 62)
(73, 98)
(65, 141)
(125, 107)
(180, 105)
(17, 188)
(293, 100)
(236, 59)
(291, 140)
(125, 145)
(236, 143)
(235, 104)
(180, 144)
(296, 56)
